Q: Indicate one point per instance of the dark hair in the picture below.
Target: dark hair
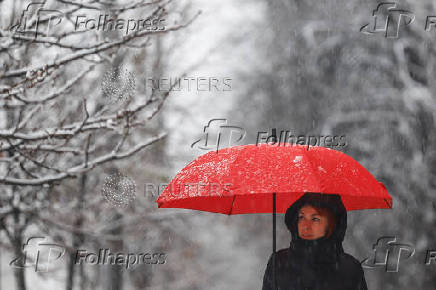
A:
(328, 213)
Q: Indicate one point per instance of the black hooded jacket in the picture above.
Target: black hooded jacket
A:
(315, 264)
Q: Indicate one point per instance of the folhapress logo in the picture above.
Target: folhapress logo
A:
(38, 253)
(219, 129)
(388, 253)
(33, 17)
(387, 19)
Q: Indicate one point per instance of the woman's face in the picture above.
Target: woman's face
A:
(311, 225)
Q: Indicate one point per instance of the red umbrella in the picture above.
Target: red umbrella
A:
(241, 179)
(267, 178)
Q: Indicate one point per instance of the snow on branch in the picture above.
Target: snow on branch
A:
(55, 123)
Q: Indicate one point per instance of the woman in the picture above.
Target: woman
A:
(315, 259)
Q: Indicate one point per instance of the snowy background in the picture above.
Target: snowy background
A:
(301, 66)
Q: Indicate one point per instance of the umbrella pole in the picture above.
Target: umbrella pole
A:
(274, 242)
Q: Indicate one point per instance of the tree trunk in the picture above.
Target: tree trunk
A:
(77, 238)
(115, 272)
(19, 272)
(20, 278)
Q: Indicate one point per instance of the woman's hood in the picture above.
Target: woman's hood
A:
(332, 201)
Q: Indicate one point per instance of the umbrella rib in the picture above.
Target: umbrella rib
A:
(231, 208)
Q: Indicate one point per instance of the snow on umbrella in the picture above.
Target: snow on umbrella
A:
(267, 178)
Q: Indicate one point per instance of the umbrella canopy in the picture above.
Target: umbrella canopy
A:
(241, 180)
